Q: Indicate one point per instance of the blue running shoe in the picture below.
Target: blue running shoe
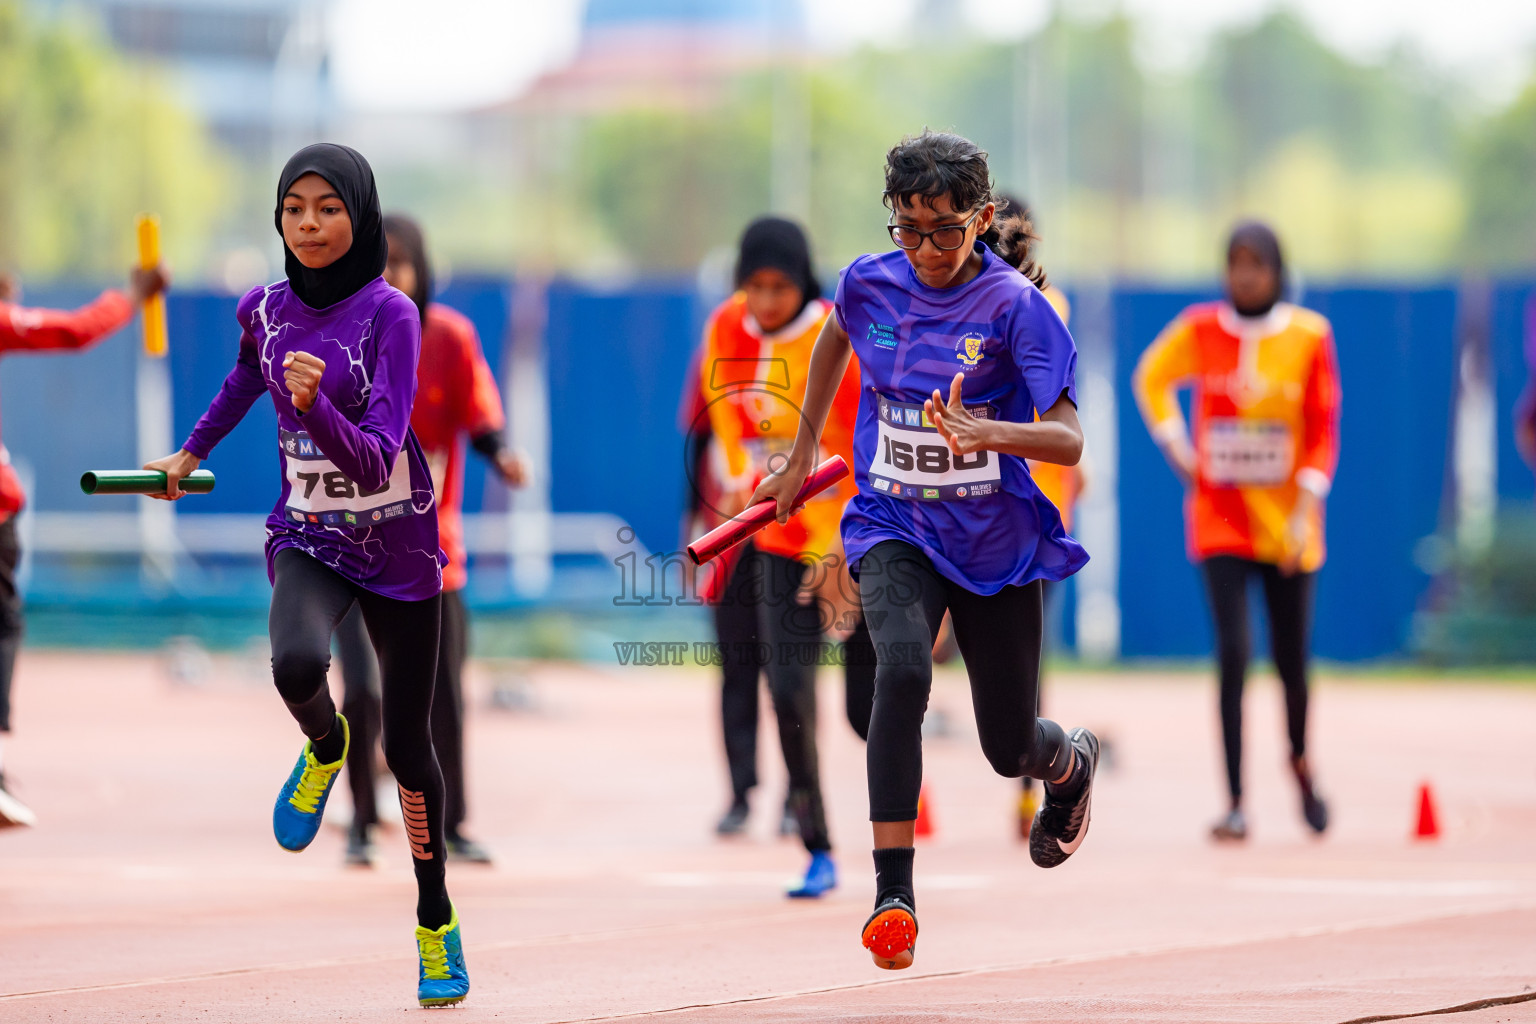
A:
(444, 978)
(301, 804)
(820, 877)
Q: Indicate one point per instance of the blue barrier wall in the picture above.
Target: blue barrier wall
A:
(66, 412)
(616, 365)
(1510, 373)
(1162, 605)
(616, 361)
(1396, 359)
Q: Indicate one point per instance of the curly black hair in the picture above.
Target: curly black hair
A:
(934, 164)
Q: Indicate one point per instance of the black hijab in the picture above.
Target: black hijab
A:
(1260, 239)
(407, 234)
(345, 170)
(778, 244)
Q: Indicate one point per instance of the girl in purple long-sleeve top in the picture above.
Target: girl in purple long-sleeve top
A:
(336, 348)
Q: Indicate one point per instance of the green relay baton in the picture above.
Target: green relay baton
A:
(141, 481)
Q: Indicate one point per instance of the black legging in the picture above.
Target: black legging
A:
(1289, 600)
(360, 703)
(308, 600)
(10, 616)
(999, 637)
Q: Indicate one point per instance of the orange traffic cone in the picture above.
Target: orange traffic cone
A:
(1428, 826)
(924, 824)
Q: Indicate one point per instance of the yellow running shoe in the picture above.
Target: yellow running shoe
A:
(444, 978)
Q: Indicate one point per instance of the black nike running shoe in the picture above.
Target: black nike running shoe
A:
(1061, 824)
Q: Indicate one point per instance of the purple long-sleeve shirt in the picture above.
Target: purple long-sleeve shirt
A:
(356, 493)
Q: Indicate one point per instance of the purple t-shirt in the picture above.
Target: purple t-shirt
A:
(979, 518)
(356, 493)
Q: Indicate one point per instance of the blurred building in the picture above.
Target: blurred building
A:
(665, 53)
(257, 71)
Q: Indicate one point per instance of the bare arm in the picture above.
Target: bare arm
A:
(829, 361)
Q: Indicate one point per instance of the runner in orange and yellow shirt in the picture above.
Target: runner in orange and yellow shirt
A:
(1265, 386)
(787, 588)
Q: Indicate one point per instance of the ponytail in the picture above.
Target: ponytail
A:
(1013, 237)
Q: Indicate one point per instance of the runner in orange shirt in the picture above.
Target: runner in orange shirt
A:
(456, 397)
(1258, 468)
(757, 348)
(40, 330)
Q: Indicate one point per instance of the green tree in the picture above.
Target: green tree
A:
(86, 142)
(1501, 185)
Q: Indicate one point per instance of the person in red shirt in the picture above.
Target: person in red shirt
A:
(456, 397)
(42, 330)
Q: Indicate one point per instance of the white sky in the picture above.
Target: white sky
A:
(467, 52)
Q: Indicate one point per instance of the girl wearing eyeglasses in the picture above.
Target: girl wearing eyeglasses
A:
(957, 353)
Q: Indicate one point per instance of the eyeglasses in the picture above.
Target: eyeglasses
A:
(946, 239)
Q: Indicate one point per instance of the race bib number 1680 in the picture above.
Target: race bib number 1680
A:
(913, 461)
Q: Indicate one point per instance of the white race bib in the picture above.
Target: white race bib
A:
(319, 493)
(1247, 453)
(912, 461)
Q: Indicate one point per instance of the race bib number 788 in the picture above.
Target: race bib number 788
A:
(320, 493)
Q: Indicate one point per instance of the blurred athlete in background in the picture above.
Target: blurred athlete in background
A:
(42, 330)
(456, 398)
(1257, 469)
(786, 589)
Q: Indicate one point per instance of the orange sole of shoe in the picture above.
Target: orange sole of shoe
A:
(890, 938)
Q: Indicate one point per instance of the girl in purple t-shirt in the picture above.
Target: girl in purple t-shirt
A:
(335, 348)
(958, 352)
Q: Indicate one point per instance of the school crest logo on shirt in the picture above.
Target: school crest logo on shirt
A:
(968, 350)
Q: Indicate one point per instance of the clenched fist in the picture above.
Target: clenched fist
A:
(302, 372)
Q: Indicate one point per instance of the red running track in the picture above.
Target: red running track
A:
(152, 889)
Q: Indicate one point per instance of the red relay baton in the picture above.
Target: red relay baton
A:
(731, 533)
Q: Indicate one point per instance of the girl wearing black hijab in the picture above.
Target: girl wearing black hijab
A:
(335, 347)
(787, 589)
(1258, 467)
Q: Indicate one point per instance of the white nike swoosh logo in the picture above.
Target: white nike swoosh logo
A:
(1071, 848)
